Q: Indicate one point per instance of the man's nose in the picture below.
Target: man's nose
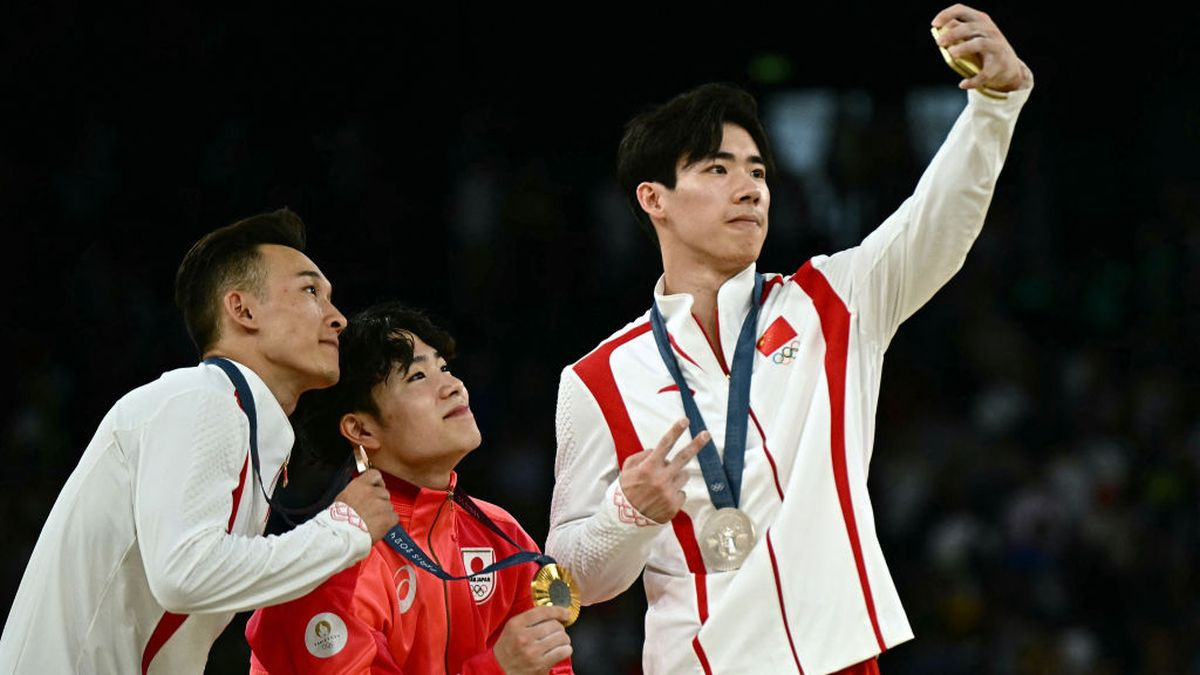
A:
(337, 320)
(748, 191)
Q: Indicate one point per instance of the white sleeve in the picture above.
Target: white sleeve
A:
(594, 531)
(900, 265)
(191, 457)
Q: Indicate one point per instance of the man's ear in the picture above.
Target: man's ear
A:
(650, 197)
(359, 429)
(239, 307)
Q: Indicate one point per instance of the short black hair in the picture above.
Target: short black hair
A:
(227, 259)
(376, 343)
(687, 128)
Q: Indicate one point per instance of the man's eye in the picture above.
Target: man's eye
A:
(310, 289)
(716, 168)
(416, 376)
(445, 367)
(758, 173)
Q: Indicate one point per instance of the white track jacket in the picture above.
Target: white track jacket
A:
(814, 595)
(155, 540)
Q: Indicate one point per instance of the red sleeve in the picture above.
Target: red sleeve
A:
(483, 663)
(320, 633)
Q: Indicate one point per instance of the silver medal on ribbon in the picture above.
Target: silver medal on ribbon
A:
(726, 539)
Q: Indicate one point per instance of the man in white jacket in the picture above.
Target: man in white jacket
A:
(761, 555)
(155, 540)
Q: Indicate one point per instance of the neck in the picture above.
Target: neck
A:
(285, 391)
(426, 476)
(702, 283)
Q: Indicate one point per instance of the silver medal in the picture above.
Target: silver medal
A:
(726, 539)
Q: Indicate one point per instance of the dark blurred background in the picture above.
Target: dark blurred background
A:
(1037, 454)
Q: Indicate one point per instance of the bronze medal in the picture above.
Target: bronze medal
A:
(966, 66)
(554, 585)
(726, 539)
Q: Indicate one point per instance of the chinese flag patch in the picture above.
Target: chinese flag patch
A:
(778, 334)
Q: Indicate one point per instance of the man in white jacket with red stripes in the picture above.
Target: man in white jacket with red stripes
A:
(809, 590)
(154, 542)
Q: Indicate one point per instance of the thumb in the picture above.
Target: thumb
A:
(635, 459)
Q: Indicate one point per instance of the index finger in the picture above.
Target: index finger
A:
(691, 449)
(667, 442)
(370, 477)
(542, 613)
(959, 11)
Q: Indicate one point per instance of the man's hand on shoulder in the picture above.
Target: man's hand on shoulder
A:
(369, 498)
(970, 33)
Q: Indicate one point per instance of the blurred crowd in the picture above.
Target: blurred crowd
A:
(1037, 451)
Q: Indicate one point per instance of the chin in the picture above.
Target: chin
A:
(326, 378)
(475, 441)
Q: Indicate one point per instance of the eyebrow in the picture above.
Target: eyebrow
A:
(728, 156)
(315, 276)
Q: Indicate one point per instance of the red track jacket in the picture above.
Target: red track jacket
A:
(386, 615)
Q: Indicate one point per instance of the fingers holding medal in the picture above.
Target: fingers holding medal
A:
(974, 47)
(533, 641)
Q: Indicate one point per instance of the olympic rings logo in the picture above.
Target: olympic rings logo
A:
(787, 354)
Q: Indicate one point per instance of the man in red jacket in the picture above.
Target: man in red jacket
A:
(398, 404)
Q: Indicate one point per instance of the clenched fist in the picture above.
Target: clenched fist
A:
(970, 33)
(369, 498)
(533, 641)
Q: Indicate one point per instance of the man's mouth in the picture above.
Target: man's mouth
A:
(744, 220)
(458, 412)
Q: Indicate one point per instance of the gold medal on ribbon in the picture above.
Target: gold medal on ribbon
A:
(965, 66)
(554, 585)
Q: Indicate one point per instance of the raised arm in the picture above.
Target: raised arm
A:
(913, 253)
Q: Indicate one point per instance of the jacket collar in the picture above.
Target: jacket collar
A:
(413, 502)
(733, 304)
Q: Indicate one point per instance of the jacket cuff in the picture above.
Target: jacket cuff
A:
(344, 520)
(619, 509)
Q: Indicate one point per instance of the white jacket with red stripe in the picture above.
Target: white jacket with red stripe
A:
(155, 540)
(815, 594)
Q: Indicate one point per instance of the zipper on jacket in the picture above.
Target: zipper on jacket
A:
(445, 589)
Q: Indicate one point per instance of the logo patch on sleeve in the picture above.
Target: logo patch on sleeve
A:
(778, 334)
(483, 585)
(325, 635)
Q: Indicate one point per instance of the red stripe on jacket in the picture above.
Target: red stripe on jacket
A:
(835, 328)
(595, 370)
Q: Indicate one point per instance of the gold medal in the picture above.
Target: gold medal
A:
(554, 585)
(726, 539)
(966, 66)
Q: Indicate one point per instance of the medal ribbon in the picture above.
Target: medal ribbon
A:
(246, 402)
(724, 480)
(396, 537)
(402, 543)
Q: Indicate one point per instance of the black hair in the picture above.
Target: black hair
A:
(376, 344)
(228, 259)
(687, 128)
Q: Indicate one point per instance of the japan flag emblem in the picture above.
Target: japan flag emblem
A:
(475, 559)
